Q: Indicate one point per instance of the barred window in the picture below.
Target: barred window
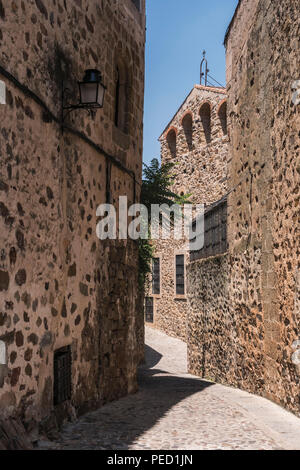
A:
(149, 309)
(180, 284)
(62, 375)
(215, 231)
(156, 276)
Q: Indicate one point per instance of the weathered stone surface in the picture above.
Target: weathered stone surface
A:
(20, 277)
(4, 280)
(13, 436)
(49, 180)
(72, 270)
(19, 339)
(245, 307)
(175, 410)
(15, 374)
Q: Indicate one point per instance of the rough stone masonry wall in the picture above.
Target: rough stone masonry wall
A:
(259, 277)
(60, 285)
(200, 170)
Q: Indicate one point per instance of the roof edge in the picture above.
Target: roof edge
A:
(197, 87)
(231, 23)
(168, 125)
(215, 89)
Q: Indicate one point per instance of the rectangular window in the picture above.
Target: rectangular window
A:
(215, 231)
(62, 375)
(149, 309)
(156, 276)
(180, 275)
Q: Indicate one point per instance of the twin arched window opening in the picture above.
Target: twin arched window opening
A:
(187, 124)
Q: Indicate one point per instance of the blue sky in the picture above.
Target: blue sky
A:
(177, 33)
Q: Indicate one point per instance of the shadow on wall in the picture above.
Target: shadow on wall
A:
(152, 357)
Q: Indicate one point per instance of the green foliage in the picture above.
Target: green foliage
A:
(156, 189)
(157, 183)
(146, 252)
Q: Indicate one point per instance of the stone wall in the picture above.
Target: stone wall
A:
(59, 284)
(260, 274)
(209, 311)
(200, 153)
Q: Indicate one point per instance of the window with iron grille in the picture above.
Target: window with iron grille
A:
(149, 309)
(156, 276)
(180, 284)
(62, 375)
(215, 231)
(137, 4)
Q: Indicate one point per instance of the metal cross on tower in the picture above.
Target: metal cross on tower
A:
(204, 73)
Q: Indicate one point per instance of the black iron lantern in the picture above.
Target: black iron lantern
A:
(91, 89)
(91, 92)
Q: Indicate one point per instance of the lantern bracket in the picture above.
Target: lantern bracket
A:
(91, 77)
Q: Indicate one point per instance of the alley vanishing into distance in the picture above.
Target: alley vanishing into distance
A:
(174, 410)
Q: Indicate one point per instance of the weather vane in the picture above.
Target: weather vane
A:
(206, 70)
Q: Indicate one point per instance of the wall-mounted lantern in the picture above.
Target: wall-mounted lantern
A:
(91, 92)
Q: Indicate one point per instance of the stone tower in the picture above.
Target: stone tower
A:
(196, 140)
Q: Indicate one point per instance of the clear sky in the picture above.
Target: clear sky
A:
(177, 33)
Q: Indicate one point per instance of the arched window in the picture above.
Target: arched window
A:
(171, 139)
(205, 115)
(223, 117)
(187, 124)
(121, 97)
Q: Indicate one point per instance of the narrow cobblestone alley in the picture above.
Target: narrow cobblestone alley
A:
(175, 410)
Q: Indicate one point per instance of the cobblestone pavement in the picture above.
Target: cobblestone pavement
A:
(172, 410)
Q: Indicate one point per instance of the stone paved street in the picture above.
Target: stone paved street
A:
(174, 410)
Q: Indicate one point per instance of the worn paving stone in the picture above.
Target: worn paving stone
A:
(172, 410)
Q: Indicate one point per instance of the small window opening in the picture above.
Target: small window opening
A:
(187, 124)
(117, 98)
(62, 375)
(121, 98)
(171, 139)
(180, 275)
(205, 115)
(156, 276)
(223, 117)
(149, 309)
